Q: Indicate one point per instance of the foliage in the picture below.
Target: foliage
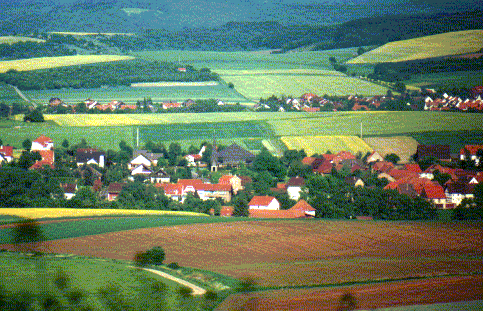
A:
(100, 74)
(247, 284)
(153, 256)
(35, 116)
(392, 157)
(265, 161)
(240, 206)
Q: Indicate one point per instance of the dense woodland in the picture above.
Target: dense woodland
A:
(104, 74)
(30, 49)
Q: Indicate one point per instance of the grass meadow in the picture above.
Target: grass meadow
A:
(8, 95)
(321, 144)
(450, 43)
(59, 61)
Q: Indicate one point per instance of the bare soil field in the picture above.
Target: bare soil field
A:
(297, 253)
(429, 291)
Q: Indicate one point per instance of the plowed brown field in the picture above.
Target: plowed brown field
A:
(292, 253)
(438, 290)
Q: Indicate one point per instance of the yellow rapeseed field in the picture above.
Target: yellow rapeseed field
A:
(451, 43)
(320, 144)
(39, 213)
(60, 61)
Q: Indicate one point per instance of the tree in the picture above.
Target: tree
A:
(35, 116)
(332, 60)
(360, 51)
(81, 108)
(240, 206)
(27, 144)
(399, 87)
(265, 161)
(65, 143)
(4, 110)
(27, 159)
(392, 157)
(153, 256)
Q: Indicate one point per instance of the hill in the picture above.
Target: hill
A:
(451, 43)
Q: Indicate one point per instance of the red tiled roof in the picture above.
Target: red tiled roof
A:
(7, 151)
(308, 160)
(47, 155)
(433, 191)
(413, 168)
(296, 182)
(302, 205)
(212, 187)
(226, 211)
(383, 166)
(472, 149)
(189, 182)
(171, 189)
(261, 200)
(398, 174)
(311, 109)
(43, 140)
(324, 168)
(329, 157)
(225, 179)
(41, 164)
(115, 187)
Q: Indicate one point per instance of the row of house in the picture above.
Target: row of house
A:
(448, 102)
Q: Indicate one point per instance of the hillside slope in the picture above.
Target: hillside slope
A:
(446, 44)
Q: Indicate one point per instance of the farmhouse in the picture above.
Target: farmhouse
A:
(42, 143)
(294, 187)
(144, 157)
(264, 202)
(237, 183)
(90, 156)
(6, 154)
(230, 156)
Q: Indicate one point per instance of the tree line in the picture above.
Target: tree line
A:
(31, 49)
(104, 74)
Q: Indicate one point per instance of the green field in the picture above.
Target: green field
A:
(70, 229)
(8, 95)
(448, 80)
(451, 43)
(252, 60)
(456, 139)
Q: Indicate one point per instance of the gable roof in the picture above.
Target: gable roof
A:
(413, 168)
(44, 140)
(6, 151)
(261, 200)
(148, 155)
(115, 187)
(84, 155)
(233, 154)
(296, 182)
(433, 191)
(69, 188)
(303, 206)
(308, 160)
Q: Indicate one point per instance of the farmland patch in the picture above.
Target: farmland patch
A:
(59, 61)
(456, 139)
(321, 144)
(403, 146)
(15, 39)
(331, 251)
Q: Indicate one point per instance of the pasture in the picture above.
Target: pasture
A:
(450, 43)
(8, 95)
(322, 144)
(403, 146)
(448, 80)
(313, 252)
(59, 61)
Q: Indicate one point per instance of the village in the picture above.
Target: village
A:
(272, 187)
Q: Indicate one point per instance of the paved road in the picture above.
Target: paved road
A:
(196, 289)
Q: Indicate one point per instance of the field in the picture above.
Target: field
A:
(466, 79)
(255, 86)
(77, 33)
(456, 139)
(321, 144)
(369, 297)
(451, 43)
(15, 39)
(39, 213)
(128, 94)
(62, 228)
(8, 95)
(403, 146)
(313, 252)
(60, 61)
(375, 123)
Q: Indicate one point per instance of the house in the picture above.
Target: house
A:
(441, 152)
(90, 156)
(226, 211)
(145, 157)
(6, 154)
(213, 191)
(324, 168)
(374, 157)
(230, 156)
(294, 187)
(42, 143)
(141, 170)
(343, 155)
(471, 152)
(354, 181)
(173, 191)
(192, 159)
(434, 193)
(300, 210)
(457, 191)
(413, 167)
(160, 176)
(69, 190)
(114, 189)
(233, 180)
(382, 166)
(47, 160)
(264, 202)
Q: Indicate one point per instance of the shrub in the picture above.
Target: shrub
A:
(154, 256)
(173, 265)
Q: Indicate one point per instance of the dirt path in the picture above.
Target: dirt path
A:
(196, 289)
(23, 96)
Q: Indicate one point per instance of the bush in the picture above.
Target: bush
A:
(154, 256)
(173, 265)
